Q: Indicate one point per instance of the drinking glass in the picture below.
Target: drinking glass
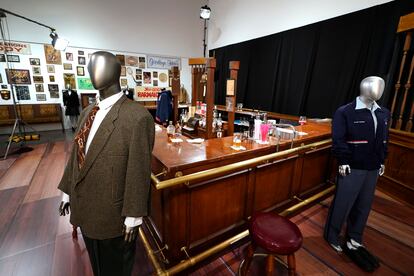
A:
(264, 129)
(237, 140)
(302, 120)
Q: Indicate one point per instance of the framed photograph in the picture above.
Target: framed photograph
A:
(52, 56)
(85, 84)
(69, 79)
(139, 83)
(22, 92)
(163, 77)
(18, 76)
(36, 70)
(54, 91)
(41, 97)
(52, 78)
(124, 82)
(67, 66)
(81, 60)
(123, 71)
(80, 70)
(121, 59)
(50, 68)
(142, 62)
(4, 86)
(81, 53)
(131, 61)
(5, 94)
(2, 58)
(138, 77)
(230, 87)
(13, 58)
(155, 75)
(138, 71)
(147, 77)
(69, 56)
(38, 79)
(155, 83)
(39, 88)
(34, 61)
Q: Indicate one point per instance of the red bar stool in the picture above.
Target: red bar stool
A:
(277, 236)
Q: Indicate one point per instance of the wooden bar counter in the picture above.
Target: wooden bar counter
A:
(189, 218)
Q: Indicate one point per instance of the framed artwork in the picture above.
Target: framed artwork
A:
(39, 88)
(34, 61)
(138, 71)
(80, 70)
(139, 83)
(22, 92)
(52, 78)
(69, 79)
(124, 82)
(131, 61)
(121, 59)
(4, 86)
(50, 68)
(155, 75)
(13, 58)
(36, 70)
(129, 71)
(147, 77)
(5, 94)
(69, 56)
(38, 79)
(155, 83)
(67, 66)
(52, 56)
(81, 53)
(2, 58)
(54, 91)
(85, 84)
(18, 76)
(230, 87)
(163, 77)
(40, 97)
(123, 71)
(81, 60)
(142, 62)
(138, 77)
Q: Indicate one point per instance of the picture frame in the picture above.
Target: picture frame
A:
(155, 74)
(67, 66)
(52, 56)
(121, 59)
(85, 84)
(36, 70)
(13, 58)
(22, 92)
(163, 77)
(139, 83)
(154, 82)
(41, 97)
(39, 88)
(18, 76)
(131, 61)
(81, 60)
(80, 70)
(69, 79)
(5, 94)
(147, 77)
(34, 61)
(123, 71)
(2, 58)
(69, 56)
(142, 63)
(81, 53)
(4, 86)
(38, 79)
(52, 78)
(50, 68)
(230, 84)
(124, 82)
(138, 77)
(138, 71)
(53, 91)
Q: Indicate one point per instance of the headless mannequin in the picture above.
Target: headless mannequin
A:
(104, 70)
(371, 89)
(71, 102)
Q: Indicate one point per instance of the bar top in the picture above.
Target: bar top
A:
(178, 156)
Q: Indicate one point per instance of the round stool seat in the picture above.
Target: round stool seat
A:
(276, 234)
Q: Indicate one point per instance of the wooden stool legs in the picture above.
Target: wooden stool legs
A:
(269, 262)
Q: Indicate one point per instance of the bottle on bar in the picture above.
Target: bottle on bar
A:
(170, 131)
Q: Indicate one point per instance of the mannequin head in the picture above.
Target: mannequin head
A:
(68, 86)
(105, 70)
(371, 89)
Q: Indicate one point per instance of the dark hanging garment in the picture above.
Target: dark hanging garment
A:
(71, 102)
(164, 106)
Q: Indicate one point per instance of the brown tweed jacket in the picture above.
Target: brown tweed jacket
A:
(114, 182)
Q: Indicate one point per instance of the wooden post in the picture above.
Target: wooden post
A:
(175, 90)
(211, 67)
(234, 68)
(194, 86)
(407, 87)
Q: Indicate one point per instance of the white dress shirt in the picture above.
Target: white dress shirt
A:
(361, 105)
(105, 106)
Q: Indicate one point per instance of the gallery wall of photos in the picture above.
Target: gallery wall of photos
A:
(40, 73)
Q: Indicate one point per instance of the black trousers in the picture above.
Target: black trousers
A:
(111, 257)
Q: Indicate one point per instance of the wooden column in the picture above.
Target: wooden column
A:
(194, 85)
(175, 90)
(234, 69)
(210, 67)
(407, 87)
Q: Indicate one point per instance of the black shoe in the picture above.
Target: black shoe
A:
(73, 129)
(359, 259)
(371, 258)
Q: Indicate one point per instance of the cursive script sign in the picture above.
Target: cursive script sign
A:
(158, 62)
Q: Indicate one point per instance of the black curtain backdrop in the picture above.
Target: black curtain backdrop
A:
(314, 69)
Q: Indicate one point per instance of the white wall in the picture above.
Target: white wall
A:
(234, 21)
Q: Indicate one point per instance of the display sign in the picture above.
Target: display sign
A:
(230, 87)
(158, 62)
(85, 84)
(16, 48)
(144, 93)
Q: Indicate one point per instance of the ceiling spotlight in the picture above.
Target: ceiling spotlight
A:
(57, 42)
(205, 12)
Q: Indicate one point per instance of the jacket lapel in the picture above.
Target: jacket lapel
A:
(101, 138)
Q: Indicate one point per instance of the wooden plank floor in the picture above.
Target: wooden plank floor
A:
(34, 240)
